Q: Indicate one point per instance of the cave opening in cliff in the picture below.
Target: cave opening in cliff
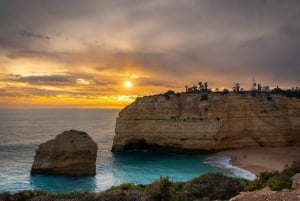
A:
(139, 144)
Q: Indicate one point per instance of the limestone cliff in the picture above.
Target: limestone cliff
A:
(195, 123)
(70, 153)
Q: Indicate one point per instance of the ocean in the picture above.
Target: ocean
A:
(22, 130)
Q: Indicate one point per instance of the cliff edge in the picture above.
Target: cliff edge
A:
(208, 122)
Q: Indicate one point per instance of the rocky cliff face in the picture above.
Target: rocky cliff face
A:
(70, 153)
(190, 123)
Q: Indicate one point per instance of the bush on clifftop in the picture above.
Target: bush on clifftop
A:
(161, 190)
(213, 186)
(275, 180)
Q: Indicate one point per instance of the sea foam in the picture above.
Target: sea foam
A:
(224, 163)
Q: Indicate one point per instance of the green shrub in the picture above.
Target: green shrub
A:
(277, 182)
(121, 195)
(292, 170)
(110, 196)
(161, 190)
(178, 186)
(213, 186)
(254, 185)
(126, 187)
(71, 195)
(168, 94)
(260, 182)
(21, 196)
(5, 196)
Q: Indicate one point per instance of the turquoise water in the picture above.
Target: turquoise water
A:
(22, 130)
(128, 167)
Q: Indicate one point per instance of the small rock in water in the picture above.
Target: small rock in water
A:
(71, 153)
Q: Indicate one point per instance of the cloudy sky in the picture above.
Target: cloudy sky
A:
(79, 53)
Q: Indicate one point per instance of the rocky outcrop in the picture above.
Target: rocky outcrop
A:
(70, 153)
(296, 181)
(200, 122)
(268, 194)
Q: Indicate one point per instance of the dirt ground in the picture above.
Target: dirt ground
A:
(268, 195)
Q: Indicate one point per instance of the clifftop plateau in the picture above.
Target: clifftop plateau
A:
(198, 122)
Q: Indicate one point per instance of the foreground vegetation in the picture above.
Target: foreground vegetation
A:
(212, 186)
(275, 180)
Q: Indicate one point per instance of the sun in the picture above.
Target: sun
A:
(128, 84)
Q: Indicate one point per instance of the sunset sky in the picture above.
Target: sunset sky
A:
(80, 53)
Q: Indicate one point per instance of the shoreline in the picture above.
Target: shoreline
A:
(262, 159)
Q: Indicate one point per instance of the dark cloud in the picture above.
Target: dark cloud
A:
(51, 79)
(29, 34)
(67, 79)
(27, 53)
(275, 53)
(11, 94)
(89, 90)
(218, 41)
(14, 75)
(156, 82)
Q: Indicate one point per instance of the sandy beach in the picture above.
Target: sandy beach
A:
(260, 159)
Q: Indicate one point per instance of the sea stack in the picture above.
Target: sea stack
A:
(71, 153)
(200, 122)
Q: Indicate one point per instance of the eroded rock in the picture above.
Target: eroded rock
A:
(189, 123)
(70, 153)
(296, 181)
